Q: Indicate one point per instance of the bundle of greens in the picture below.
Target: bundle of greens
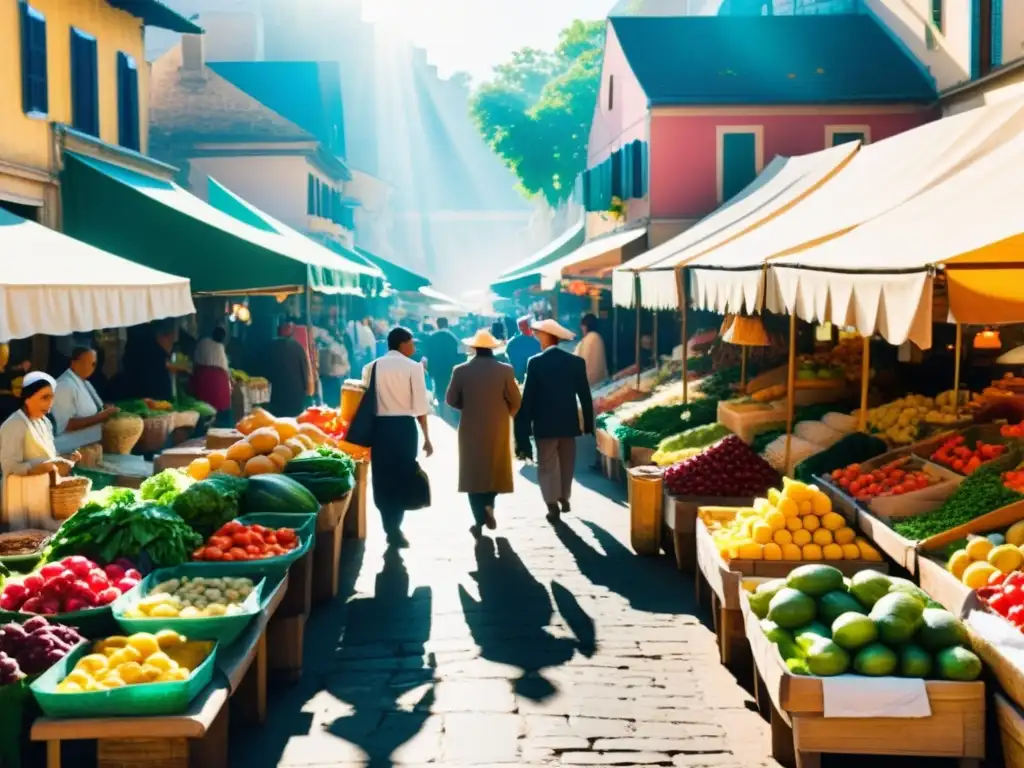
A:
(120, 526)
(326, 472)
(696, 437)
(208, 504)
(137, 408)
(189, 403)
(165, 487)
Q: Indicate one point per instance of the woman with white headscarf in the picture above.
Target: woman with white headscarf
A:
(26, 437)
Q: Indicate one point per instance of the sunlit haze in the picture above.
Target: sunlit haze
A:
(474, 35)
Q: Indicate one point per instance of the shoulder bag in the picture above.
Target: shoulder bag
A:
(360, 431)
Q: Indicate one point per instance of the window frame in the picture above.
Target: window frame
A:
(80, 37)
(128, 90)
(832, 130)
(721, 131)
(28, 16)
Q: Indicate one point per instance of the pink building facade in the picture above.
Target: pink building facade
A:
(712, 100)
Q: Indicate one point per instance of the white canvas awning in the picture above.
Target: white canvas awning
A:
(591, 259)
(782, 184)
(880, 276)
(53, 284)
(878, 179)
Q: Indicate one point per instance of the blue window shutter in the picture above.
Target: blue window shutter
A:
(937, 14)
(843, 137)
(310, 195)
(636, 181)
(35, 98)
(739, 163)
(626, 171)
(128, 102)
(85, 107)
(585, 184)
(616, 189)
(996, 10)
(975, 39)
(316, 198)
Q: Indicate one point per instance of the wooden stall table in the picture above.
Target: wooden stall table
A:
(680, 525)
(286, 630)
(801, 733)
(218, 438)
(330, 527)
(180, 456)
(355, 518)
(129, 471)
(611, 454)
(1011, 731)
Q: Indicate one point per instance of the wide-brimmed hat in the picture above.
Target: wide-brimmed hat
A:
(554, 328)
(482, 339)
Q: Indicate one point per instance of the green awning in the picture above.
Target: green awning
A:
(527, 274)
(400, 278)
(154, 13)
(158, 224)
(223, 199)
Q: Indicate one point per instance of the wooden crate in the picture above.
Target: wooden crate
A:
(218, 438)
(355, 516)
(607, 445)
(943, 587)
(286, 630)
(641, 457)
(801, 733)
(747, 421)
(1011, 731)
(180, 456)
(680, 517)
(326, 564)
(900, 550)
(723, 578)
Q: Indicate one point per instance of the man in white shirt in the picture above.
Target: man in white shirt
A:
(77, 410)
(401, 403)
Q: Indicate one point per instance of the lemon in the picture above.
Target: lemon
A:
(112, 681)
(164, 611)
(811, 552)
(161, 661)
(801, 537)
(788, 508)
(1006, 557)
(751, 552)
(867, 552)
(821, 504)
(977, 574)
(979, 547)
(832, 552)
(844, 535)
(782, 537)
(762, 533)
(92, 663)
(772, 552)
(795, 490)
(174, 675)
(794, 524)
(114, 642)
(832, 521)
(776, 520)
(791, 552)
(811, 522)
(79, 677)
(68, 687)
(774, 497)
(150, 673)
(130, 672)
(1015, 534)
(168, 638)
(851, 552)
(821, 537)
(145, 643)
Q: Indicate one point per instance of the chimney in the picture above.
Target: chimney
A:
(193, 54)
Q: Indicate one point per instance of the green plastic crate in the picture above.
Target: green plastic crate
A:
(146, 699)
(224, 629)
(270, 566)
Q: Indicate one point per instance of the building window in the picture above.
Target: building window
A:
(611, 92)
(996, 32)
(842, 134)
(937, 14)
(128, 102)
(35, 99)
(85, 102)
(986, 36)
(325, 201)
(740, 158)
(311, 195)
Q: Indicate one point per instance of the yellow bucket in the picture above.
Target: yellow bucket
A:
(646, 495)
(351, 395)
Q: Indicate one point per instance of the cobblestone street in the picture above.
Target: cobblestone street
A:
(540, 646)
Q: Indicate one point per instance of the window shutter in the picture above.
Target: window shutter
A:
(975, 39)
(587, 192)
(636, 177)
(316, 197)
(618, 189)
(84, 83)
(626, 171)
(128, 102)
(310, 195)
(996, 44)
(34, 88)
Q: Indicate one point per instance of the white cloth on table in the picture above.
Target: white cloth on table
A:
(401, 386)
(74, 398)
(854, 696)
(591, 349)
(211, 354)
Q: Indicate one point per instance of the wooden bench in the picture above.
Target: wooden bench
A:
(193, 739)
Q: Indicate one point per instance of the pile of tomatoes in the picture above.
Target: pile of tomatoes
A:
(235, 542)
(892, 479)
(327, 419)
(955, 454)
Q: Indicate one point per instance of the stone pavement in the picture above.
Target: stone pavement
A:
(541, 646)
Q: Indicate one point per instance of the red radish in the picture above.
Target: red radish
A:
(97, 580)
(79, 566)
(107, 596)
(114, 572)
(131, 573)
(50, 570)
(33, 583)
(126, 585)
(75, 604)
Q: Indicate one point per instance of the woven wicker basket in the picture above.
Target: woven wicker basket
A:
(185, 419)
(67, 496)
(155, 430)
(121, 434)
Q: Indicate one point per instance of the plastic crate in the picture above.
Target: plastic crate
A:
(271, 565)
(145, 699)
(223, 629)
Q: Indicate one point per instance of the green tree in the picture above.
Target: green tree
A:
(535, 113)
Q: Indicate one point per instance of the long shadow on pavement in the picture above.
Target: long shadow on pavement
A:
(509, 622)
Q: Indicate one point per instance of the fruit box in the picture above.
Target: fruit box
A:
(955, 728)
(1011, 731)
(747, 420)
(988, 433)
(147, 699)
(680, 517)
(270, 565)
(943, 587)
(999, 644)
(224, 629)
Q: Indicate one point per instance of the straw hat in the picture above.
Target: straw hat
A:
(554, 328)
(482, 339)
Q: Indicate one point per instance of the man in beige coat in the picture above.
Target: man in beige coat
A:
(486, 393)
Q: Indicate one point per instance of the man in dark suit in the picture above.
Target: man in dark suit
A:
(555, 395)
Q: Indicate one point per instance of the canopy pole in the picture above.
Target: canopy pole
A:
(636, 303)
(743, 368)
(958, 352)
(790, 389)
(865, 376)
(313, 366)
(681, 293)
(654, 342)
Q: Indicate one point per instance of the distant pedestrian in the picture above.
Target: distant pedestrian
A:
(286, 366)
(521, 348)
(485, 392)
(555, 396)
(591, 349)
(442, 353)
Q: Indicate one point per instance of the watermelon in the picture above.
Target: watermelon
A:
(277, 493)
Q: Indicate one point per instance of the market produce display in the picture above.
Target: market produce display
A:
(205, 506)
(893, 479)
(236, 542)
(279, 494)
(1015, 431)
(1004, 594)
(853, 448)
(33, 647)
(114, 523)
(796, 523)
(1014, 479)
(956, 454)
(21, 543)
(872, 625)
(900, 420)
(326, 472)
(983, 557)
(193, 598)
(165, 487)
(136, 660)
(979, 494)
(69, 585)
(188, 403)
(687, 443)
(729, 468)
(658, 422)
